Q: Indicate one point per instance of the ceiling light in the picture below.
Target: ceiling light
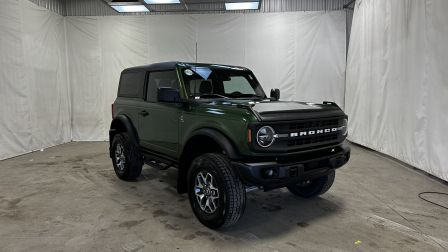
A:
(243, 6)
(162, 1)
(130, 8)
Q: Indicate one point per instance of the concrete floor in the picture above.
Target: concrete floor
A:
(68, 198)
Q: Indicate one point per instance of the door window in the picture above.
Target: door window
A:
(157, 80)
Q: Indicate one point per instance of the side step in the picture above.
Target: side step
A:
(158, 165)
(158, 162)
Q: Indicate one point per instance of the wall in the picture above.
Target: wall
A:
(34, 98)
(397, 85)
(57, 6)
(307, 63)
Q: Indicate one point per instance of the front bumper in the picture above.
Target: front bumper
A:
(305, 167)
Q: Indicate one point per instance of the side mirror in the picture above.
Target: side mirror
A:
(275, 94)
(167, 94)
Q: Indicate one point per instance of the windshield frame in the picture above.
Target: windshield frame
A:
(246, 73)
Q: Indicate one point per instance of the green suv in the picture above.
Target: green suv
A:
(216, 125)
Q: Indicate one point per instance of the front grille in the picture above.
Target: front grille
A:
(316, 139)
(313, 140)
(314, 124)
(302, 135)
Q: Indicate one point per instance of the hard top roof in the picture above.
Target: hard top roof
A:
(170, 65)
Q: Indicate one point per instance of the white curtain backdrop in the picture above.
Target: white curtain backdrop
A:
(397, 88)
(302, 53)
(59, 76)
(34, 92)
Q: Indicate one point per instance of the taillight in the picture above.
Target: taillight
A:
(113, 111)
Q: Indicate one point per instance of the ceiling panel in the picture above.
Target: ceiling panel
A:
(101, 8)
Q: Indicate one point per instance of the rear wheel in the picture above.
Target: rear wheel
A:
(217, 195)
(126, 157)
(312, 188)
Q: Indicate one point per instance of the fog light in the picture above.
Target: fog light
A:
(270, 173)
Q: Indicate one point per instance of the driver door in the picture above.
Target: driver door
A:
(159, 126)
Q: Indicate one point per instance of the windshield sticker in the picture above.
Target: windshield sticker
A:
(204, 72)
(188, 72)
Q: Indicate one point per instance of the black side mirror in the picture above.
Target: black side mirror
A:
(275, 94)
(167, 94)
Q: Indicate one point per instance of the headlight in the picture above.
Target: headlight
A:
(344, 127)
(265, 136)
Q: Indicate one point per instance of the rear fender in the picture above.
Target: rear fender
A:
(122, 123)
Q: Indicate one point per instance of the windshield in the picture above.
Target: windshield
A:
(207, 82)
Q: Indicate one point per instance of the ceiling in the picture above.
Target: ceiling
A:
(217, 6)
(102, 8)
(186, 5)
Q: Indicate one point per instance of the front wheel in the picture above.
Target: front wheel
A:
(312, 188)
(217, 195)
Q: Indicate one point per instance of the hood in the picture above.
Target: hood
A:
(285, 110)
(268, 111)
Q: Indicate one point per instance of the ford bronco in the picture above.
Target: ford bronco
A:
(216, 125)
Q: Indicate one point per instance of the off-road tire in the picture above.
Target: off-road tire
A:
(232, 193)
(133, 158)
(315, 187)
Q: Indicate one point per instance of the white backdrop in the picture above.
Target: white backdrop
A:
(396, 97)
(34, 93)
(302, 53)
(397, 81)
(58, 76)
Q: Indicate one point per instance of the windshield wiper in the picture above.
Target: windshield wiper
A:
(208, 95)
(249, 96)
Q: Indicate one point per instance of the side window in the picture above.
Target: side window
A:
(131, 84)
(160, 79)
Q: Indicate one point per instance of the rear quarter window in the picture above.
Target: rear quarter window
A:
(131, 84)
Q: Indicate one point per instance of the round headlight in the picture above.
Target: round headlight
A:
(344, 127)
(265, 136)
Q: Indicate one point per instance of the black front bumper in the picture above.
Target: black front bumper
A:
(305, 167)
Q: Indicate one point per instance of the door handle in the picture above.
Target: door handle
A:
(144, 113)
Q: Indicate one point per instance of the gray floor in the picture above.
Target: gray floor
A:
(68, 198)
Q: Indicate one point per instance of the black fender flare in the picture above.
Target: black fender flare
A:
(224, 143)
(219, 138)
(123, 123)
